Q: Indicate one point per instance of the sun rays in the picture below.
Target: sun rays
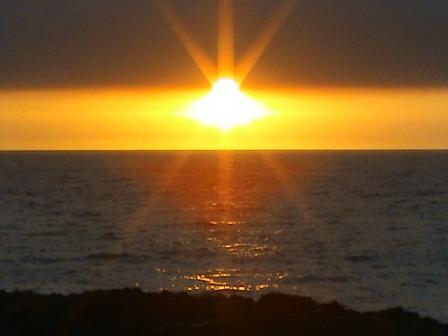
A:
(226, 65)
(225, 107)
(256, 50)
(202, 60)
(226, 31)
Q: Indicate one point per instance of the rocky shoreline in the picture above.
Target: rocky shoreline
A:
(133, 312)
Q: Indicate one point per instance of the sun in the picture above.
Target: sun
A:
(226, 107)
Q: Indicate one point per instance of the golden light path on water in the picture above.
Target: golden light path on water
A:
(222, 211)
(219, 205)
(222, 279)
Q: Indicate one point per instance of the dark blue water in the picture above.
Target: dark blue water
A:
(369, 229)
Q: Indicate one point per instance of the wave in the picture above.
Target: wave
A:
(123, 257)
(120, 257)
(315, 278)
(360, 258)
(57, 233)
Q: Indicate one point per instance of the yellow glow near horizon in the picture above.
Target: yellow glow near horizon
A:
(304, 118)
(226, 107)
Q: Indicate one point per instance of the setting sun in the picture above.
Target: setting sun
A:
(224, 167)
(226, 107)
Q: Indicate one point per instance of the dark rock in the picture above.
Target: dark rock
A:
(132, 312)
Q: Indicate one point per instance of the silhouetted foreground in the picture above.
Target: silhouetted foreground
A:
(132, 312)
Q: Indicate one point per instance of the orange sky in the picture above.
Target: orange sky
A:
(126, 118)
(302, 47)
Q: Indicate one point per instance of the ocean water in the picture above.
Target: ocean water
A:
(368, 229)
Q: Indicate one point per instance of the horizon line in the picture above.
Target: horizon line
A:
(237, 150)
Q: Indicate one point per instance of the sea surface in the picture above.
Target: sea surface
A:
(368, 229)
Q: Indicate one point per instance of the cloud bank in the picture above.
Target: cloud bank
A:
(72, 43)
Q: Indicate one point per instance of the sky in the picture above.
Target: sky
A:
(111, 74)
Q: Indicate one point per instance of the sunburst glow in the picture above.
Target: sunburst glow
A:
(226, 107)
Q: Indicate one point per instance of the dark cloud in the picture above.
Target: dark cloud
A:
(53, 43)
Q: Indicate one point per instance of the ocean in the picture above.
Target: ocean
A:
(368, 229)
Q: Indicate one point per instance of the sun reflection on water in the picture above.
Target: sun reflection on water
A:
(225, 246)
(226, 222)
(233, 280)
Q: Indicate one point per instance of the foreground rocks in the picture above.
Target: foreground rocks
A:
(132, 312)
